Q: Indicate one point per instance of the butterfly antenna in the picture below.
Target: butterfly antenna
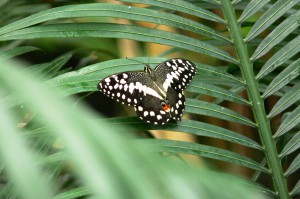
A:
(138, 61)
(150, 45)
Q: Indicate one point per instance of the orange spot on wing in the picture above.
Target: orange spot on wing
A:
(166, 108)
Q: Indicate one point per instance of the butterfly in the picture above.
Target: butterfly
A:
(156, 94)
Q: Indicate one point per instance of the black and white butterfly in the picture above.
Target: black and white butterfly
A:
(157, 95)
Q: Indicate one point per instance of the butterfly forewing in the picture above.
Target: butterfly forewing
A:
(126, 87)
(177, 103)
(175, 73)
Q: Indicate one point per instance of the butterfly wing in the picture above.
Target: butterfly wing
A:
(177, 103)
(147, 90)
(175, 73)
(127, 87)
(150, 111)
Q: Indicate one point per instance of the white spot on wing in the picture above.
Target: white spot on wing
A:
(152, 113)
(166, 85)
(159, 117)
(125, 87)
(162, 112)
(116, 86)
(174, 75)
(122, 81)
(170, 78)
(146, 113)
(181, 69)
(168, 82)
(140, 108)
(139, 86)
(131, 87)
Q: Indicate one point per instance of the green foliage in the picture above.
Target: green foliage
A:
(62, 150)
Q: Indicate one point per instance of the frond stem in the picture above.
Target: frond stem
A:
(258, 108)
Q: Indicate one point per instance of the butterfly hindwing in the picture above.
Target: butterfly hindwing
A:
(175, 73)
(126, 87)
(150, 111)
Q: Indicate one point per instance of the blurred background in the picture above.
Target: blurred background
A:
(87, 51)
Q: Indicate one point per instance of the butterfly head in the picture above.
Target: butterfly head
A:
(147, 69)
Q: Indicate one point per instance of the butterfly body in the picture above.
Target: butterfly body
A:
(157, 95)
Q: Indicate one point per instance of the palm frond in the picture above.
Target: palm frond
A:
(245, 79)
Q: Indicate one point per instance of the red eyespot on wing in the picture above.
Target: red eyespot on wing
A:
(166, 107)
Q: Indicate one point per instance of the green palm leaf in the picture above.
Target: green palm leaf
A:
(273, 13)
(294, 166)
(291, 146)
(289, 122)
(290, 98)
(230, 75)
(190, 126)
(117, 31)
(21, 161)
(205, 108)
(282, 79)
(111, 10)
(12, 52)
(278, 34)
(184, 7)
(83, 143)
(202, 150)
(280, 57)
(253, 7)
